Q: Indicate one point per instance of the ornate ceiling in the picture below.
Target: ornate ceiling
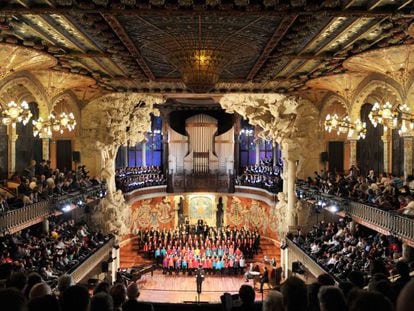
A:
(264, 45)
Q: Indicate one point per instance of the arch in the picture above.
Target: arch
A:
(13, 84)
(71, 101)
(367, 89)
(332, 99)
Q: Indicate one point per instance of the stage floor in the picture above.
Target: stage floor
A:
(182, 288)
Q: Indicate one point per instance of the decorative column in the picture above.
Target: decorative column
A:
(352, 152)
(237, 120)
(12, 150)
(285, 175)
(274, 152)
(125, 158)
(387, 152)
(408, 156)
(165, 122)
(291, 179)
(144, 153)
(257, 153)
(45, 146)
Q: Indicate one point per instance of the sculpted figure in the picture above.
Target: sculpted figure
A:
(125, 124)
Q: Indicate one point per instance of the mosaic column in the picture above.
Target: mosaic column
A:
(408, 156)
(45, 146)
(386, 141)
(352, 152)
(12, 150)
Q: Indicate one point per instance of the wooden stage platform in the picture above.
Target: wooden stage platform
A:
(182, 288)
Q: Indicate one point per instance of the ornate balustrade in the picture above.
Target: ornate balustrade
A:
(386, 222)
(295, 253)
(20, 218)
(79, 272)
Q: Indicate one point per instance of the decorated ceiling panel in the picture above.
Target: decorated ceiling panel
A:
(205, 46)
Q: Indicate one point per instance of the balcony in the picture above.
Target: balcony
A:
(24, 217)
(295, 253)
(386, 222)
(79, 272)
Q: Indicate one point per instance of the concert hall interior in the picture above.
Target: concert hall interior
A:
(206, 154)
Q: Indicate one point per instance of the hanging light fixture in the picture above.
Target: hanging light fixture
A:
(344, 125)
(398, 118)
(15, 113)
(65, 121)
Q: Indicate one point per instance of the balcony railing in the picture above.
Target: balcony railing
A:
(20, 218)
(387, 222)
(25, 216)
(393, 223)
(81, 271)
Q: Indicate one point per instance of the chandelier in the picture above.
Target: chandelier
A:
(344, 125)
(64, 121)
(200, 68)
(16, 113)
(399, 118)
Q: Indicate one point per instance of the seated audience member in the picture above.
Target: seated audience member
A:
(331, 298)
(76, 298)
(12, 299)
(132, 304)
(370, 301)
(273, 301)
(247, 296)
(295, 295)
(118, 293)
(102, 302)
(405, 301)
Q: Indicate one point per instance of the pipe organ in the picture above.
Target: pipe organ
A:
(201, 150)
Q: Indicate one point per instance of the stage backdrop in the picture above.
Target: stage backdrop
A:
(162, 212)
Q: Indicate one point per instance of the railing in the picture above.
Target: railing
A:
(387, 222)
(85, 267)
(391, 222)
(20, 218)
(297, 254)
(30, 214)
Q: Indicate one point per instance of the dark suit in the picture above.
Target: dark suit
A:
(264, 279)
(199, 279)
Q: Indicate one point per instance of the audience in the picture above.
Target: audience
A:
(386, 191)
(40, 182)
(350, 256)
(49, 255)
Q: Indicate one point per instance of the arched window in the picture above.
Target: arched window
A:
(247, 144)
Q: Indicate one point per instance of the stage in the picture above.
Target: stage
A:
(182, 288)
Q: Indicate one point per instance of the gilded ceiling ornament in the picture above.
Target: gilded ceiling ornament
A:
(56, 82)
(16, 58)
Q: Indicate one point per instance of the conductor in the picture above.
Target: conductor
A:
(200, 275)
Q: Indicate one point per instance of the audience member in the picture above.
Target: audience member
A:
(102, 302)
(331, 298)
(273, 301)
(295, 297)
